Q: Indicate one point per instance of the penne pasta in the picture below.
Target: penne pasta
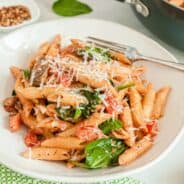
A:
(136, 151)
(148, 102)
(29, 121)
(64, 142)
(126, 118)
(94, 120)
(42, 153)
(53, 95)
(54, 48)
(120, 57)
(136, 106)
(160, 102)
(121, 134)
(15, 71)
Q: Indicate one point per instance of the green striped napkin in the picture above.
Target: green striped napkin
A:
(8, 176)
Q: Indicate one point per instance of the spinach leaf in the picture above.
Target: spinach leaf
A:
(92, 96)
(77, 113)
(66, 114)
(93, 99)
(121, 87)
(103, 152)
(14, 93)
(95, 53)
(27, 74)
(110, 125)
(83, 111)
(70, 8)
(80, 164)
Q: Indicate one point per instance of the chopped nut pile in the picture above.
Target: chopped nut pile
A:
(13, 15)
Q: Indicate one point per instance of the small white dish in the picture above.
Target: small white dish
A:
(30, 4)
(16, 49)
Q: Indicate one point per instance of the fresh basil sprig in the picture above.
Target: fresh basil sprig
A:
(110, 125)
(70, 8)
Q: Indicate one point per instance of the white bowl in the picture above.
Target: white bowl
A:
(17, 47)
(31, 4)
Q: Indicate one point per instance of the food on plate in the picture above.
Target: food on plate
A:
(85, 105)
(13, 15)
(179, 3)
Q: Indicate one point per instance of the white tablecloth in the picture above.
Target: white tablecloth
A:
(171, 169)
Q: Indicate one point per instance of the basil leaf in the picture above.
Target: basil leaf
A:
(27, 74)
(70, 8)
(121, 87)
(110, 125)
(103, 152)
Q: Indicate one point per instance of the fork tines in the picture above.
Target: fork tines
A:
(107, 44)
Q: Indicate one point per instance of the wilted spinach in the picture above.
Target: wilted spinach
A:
(95, 53)
(103, 152)
(110, 125)
(83, 110)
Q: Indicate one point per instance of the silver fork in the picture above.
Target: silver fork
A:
(132, 53)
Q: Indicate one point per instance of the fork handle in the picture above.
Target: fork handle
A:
(171, 64)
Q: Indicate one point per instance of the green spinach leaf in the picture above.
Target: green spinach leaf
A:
(95, 53)
(66, 114)
(92, 96)
(103, 152)
(121, 87)
(83, 111)
(27, 74)
(14, 93)
(110, 125)
(70, 8)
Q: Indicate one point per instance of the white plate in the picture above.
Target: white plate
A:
(34, 10)
(16, 48)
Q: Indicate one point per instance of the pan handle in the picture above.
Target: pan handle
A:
(139, 6)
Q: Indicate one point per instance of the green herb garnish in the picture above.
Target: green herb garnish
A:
(121, 87)
(83, 111)
(14, 93)
(95, 53)
(27, 74)
(92, 96)
(103, 152)
(70, 7)
(110, 125)
(77, 113)
(66, 114)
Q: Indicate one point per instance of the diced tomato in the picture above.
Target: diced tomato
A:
(88, 132)
(31, 139)
(65, 79)
(112, 104)
(152, 128)
(15, 122)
